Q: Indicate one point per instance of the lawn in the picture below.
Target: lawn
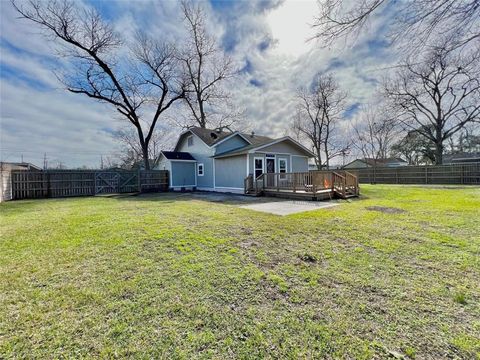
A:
(395, 273)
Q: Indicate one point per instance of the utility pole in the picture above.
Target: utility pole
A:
(22, 158)
(101, 162)
(45, 163)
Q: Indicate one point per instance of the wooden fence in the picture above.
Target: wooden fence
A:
(64, 183)
(456, 174)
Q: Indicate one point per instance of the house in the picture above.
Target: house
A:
(5, 176)
(369, 162)
(220, 160)
(460, 158)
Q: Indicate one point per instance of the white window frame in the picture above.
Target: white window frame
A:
(280, 167)
(198, 169)
(255, 167)
(188, 141)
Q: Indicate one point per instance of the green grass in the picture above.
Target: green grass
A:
(167, 276)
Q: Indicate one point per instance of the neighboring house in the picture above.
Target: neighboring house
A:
(5, 177)
(368, 162)
(460, 158)
(219, 160)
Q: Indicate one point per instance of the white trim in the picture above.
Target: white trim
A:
(274, 164)
(179, 160)
(198, 169)
(291, 163)
(255, 168)
(248, 164)
(308, 157)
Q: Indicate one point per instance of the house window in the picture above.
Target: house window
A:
(200, 170)
(190, 141)
(258, 162)
(282, 167)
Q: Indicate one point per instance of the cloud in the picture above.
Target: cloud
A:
(267, 40)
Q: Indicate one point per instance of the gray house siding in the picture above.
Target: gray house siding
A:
(230, 172)
(182, 173)
(202, 153)
(235, 142)
(299, 164)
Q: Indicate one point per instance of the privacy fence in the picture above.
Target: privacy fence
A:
(457, 174)
(64, 183)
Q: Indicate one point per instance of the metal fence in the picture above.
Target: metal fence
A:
(64, 183)
(455, 174)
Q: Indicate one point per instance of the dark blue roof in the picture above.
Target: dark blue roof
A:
(178, 155)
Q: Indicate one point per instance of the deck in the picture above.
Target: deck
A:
(312, 185)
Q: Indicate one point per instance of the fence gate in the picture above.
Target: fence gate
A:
(109, 182)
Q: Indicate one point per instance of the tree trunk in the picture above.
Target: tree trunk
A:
(146, 162)
(327, 160)
(144, 146)
(319, 158)
(438, 153)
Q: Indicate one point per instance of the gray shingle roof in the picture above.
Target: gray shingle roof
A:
(210, 136)
(177, 155)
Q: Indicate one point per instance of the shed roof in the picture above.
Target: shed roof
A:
(178, 155)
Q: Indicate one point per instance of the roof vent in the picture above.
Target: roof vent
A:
(252, 134)
(213, 135)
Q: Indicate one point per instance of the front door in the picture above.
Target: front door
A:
(270, 170)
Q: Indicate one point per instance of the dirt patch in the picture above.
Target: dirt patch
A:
(386, 210)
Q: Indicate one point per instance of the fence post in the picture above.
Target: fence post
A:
(426, 174)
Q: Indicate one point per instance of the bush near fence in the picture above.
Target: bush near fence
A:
(65, 183)
(455, 174)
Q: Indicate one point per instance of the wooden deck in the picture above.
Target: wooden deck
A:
(312, 185)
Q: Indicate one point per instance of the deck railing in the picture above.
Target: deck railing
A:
(341, 182)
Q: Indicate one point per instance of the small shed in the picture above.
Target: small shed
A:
(6, 169)
(182, 167)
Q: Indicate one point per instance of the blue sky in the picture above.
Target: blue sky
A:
(267, 39)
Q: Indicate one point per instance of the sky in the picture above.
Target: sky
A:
(267, 39)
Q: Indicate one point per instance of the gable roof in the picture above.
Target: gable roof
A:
(178, 155)
(261, 144)
(213, 137)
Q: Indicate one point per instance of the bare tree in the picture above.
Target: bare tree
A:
(418, 21)
(147, 83)
(438, 97)
(131, 150)
(318, 113)
(205, 68)
(374, 133)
